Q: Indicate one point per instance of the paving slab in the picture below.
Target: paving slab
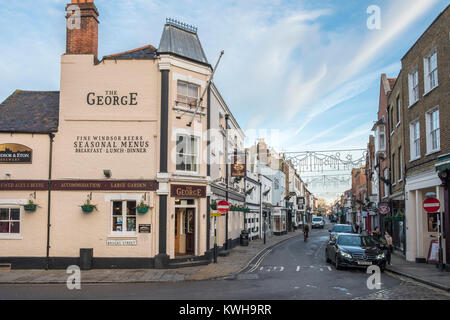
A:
(230, 265)
(422, 272)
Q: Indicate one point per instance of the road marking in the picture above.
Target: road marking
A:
(329, 268)
(298, 268)
(259, 261)
(321, 269)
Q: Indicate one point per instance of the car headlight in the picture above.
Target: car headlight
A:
(381, 256)
(346, 255)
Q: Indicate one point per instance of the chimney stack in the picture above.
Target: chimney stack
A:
(82, 27)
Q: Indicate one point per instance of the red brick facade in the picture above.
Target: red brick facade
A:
(83, 40)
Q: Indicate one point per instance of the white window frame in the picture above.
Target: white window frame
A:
(393, 171)
(413, 89)
(123, 233)
(430, 74)
(386, 186)
(381, 130)
(186, 96)
(428, 122)
(414, 155)
(12, 236)
(399, 114)
(400, 162)
(198, 139)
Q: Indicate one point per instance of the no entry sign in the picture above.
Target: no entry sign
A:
(431, 205)
(223, 206)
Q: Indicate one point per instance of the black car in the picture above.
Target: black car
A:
(354, 250)
(340, 228)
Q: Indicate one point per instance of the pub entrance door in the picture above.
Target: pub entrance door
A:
(184, 231)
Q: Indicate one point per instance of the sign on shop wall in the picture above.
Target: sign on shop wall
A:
(121, 242)
(111, 144)
(15, 153)
(144, 228)
(112, 98)
(187, 191)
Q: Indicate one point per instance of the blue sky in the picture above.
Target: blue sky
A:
(308, 69)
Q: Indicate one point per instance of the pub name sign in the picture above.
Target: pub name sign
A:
(112, 98)
(187, 191)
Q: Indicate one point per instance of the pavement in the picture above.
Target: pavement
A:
(229, 266)
(421, 272)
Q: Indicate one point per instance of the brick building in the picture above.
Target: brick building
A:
(425, 90)
(394, 221)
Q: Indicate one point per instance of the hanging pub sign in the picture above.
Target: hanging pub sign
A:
(238, 167)
(384, 208)
(15, 153)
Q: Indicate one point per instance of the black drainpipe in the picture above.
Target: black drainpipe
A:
(51, 136)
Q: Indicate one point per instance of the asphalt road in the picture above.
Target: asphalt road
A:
(293, 270)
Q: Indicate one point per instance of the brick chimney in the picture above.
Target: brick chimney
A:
(82, 27)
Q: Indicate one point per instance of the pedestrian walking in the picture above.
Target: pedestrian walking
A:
(389, 247)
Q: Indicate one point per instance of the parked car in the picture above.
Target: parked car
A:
(340, 228)
(355, 251)
(318, 222)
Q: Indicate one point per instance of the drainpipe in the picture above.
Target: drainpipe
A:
(51, 136)
(227, 242)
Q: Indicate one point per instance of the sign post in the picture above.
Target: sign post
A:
(223, 207)
(432, 205)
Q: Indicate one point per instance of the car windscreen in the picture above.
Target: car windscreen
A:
(342, 229)
(368, 242)
(317, 219)
(352, 241)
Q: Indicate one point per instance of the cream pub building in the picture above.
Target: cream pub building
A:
(123, 132)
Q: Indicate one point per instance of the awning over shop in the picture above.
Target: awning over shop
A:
(443, 163)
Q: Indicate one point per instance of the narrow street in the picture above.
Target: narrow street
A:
(292, 270)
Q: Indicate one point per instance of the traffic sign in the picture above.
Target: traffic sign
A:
(223, 206)
(431, 205)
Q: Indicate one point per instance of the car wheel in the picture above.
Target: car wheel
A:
(336, 263)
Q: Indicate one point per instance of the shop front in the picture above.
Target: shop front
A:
(188, 220)
(279, 221)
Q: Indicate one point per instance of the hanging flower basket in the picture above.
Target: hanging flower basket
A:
(142, 208)
(88, 207)
(30, 206)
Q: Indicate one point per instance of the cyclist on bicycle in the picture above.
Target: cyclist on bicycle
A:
(305, 230)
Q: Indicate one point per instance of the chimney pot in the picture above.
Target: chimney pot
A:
(82, 38)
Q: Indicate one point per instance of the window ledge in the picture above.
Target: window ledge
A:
(432, 151)
(398, 123)
(10, 237)
(412, 160)
(411, 105)
(429, 91)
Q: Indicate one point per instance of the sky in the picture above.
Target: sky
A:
(304, 74)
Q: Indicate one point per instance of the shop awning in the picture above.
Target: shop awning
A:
(443, 163)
